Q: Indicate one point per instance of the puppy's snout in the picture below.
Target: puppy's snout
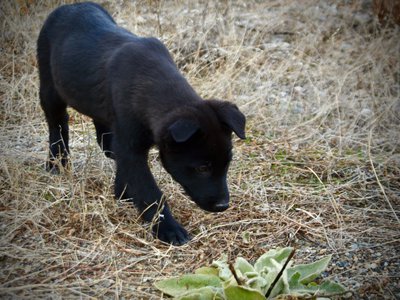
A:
(220, 207)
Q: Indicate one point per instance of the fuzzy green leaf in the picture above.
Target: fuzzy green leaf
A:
(279, 255)
(237, 292)
(327, 288)
(207, 271)
(269, 273)
(204, 293)
(179, 286)
(243, 266)
(308, 272)
(224, 272)
(330, 288)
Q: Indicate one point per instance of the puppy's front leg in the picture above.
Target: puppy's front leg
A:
(166, 228)
(134, 181)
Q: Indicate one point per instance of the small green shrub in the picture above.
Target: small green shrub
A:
(271, 277)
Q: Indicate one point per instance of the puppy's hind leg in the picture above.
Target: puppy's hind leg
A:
(55, 111)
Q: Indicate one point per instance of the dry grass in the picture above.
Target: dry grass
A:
(320, 85)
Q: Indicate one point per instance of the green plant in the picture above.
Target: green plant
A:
(271, 277)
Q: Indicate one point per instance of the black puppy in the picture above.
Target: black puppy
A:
(137, 97)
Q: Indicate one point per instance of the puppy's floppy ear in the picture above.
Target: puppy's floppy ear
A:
(182, 130)
(229, 114)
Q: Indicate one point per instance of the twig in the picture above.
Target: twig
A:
(377, 178)
(239, 282)
(280, 273)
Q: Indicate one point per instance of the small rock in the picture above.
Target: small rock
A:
(366, 113)
(372, 266)
(299, 90)
(342, 264)
(362, 18)
(354, 246)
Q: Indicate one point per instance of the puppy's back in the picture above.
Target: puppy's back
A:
(81, 17)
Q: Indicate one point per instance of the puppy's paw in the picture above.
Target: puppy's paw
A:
(171, 232)
(57, 166)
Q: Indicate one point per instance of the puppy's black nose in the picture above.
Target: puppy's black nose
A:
(220, 207)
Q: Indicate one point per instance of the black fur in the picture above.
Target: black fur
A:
(137, 98)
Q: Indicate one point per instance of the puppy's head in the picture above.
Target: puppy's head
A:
(196, 149)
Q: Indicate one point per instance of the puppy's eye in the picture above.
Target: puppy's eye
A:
(203, 169)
